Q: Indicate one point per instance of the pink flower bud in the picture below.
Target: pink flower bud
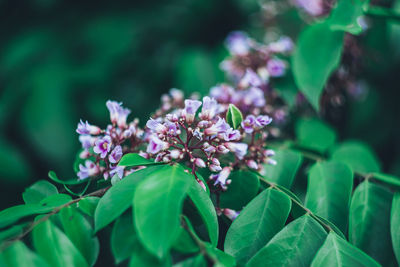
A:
(200, 163)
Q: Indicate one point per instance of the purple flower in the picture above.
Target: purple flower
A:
(249, 123)
(156, 126)
(283, 45)
(103, 146)
(239, 149)
(118, 114)
(191, 107)
(209, 109)
(200, 163)
(312, 7)
(231, 135)
(222, 93)
(219, 127)
(231, 214)
(156, 145)
(115, 155)
(87, 141)
(253, 97)
(176, 94)
(86, 128)
(172, 128)
(238, 43)
(90, 169)
(252, 164)
(117, 170)
(250, 78)
(263, 120)
(221, 178)
(276, 67)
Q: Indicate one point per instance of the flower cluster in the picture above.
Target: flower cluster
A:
(103, 149)
(206, 140)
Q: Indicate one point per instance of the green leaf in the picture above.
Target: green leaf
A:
(197, 261)
(13, 214)
(387, 179)
(141, 257)
(234, 116)
(337, 252)
(18, 255)
(345, 16)
(124, 240)
(184, 242)
(38, 191)
(317, 55)
(329, 190)
(283, 173)
(55, 247)
(395, 225)
(11, 232)
(118, 198)
(53, 176)
(157, 204)
(88, 205)
(206, 209)
(315, 135)
(79, 231)
(370, 221)
(294, 245)
(243, 188)
(258, 222)
(332, 226)
(358, 155)
(222, 259)
(134, 159)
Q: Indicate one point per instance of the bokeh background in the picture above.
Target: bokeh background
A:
(61, 60)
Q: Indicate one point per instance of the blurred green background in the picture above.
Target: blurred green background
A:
(61, 60)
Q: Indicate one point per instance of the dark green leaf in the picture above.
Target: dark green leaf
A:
(234, 116)
(206, 209)
(359, 156)
(38, 191)
(258, 222)
(141, 257)
(243, 188)
(283, 173)
(346, 15)
(79, 231)
(157, 204)
(118, 198)
(134, 159)
(55, 247)
(315, 135)
(88, 205)
(184, 242)
(370, 221)
(294, 245)
(387, 179)
(395, 225)
(11, 232)
(124, 240)
(329, 189)
(222, 259)
(53, 176)
(197, 261)
(337, 252)
(331, 225)
(317, 55)
(18, 255)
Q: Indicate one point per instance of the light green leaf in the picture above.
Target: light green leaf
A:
(79, 231)
(315, 134)
(395, 225)
(370, 221)
(234, 116)
(329, 190)
(88, 205)
(124, 240)
(18, 255)
(243, 188)
(38, 191)
(55, 247)
(222, 259)
(346, 15)
(157, 204)
(134, 159)
(118, 198)
(387, 179)
(206, 209)
(337, 252)
(258, 222)
(283, 173)
(317, 55)
(358, 155)
(197, 261)
(294, 245)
